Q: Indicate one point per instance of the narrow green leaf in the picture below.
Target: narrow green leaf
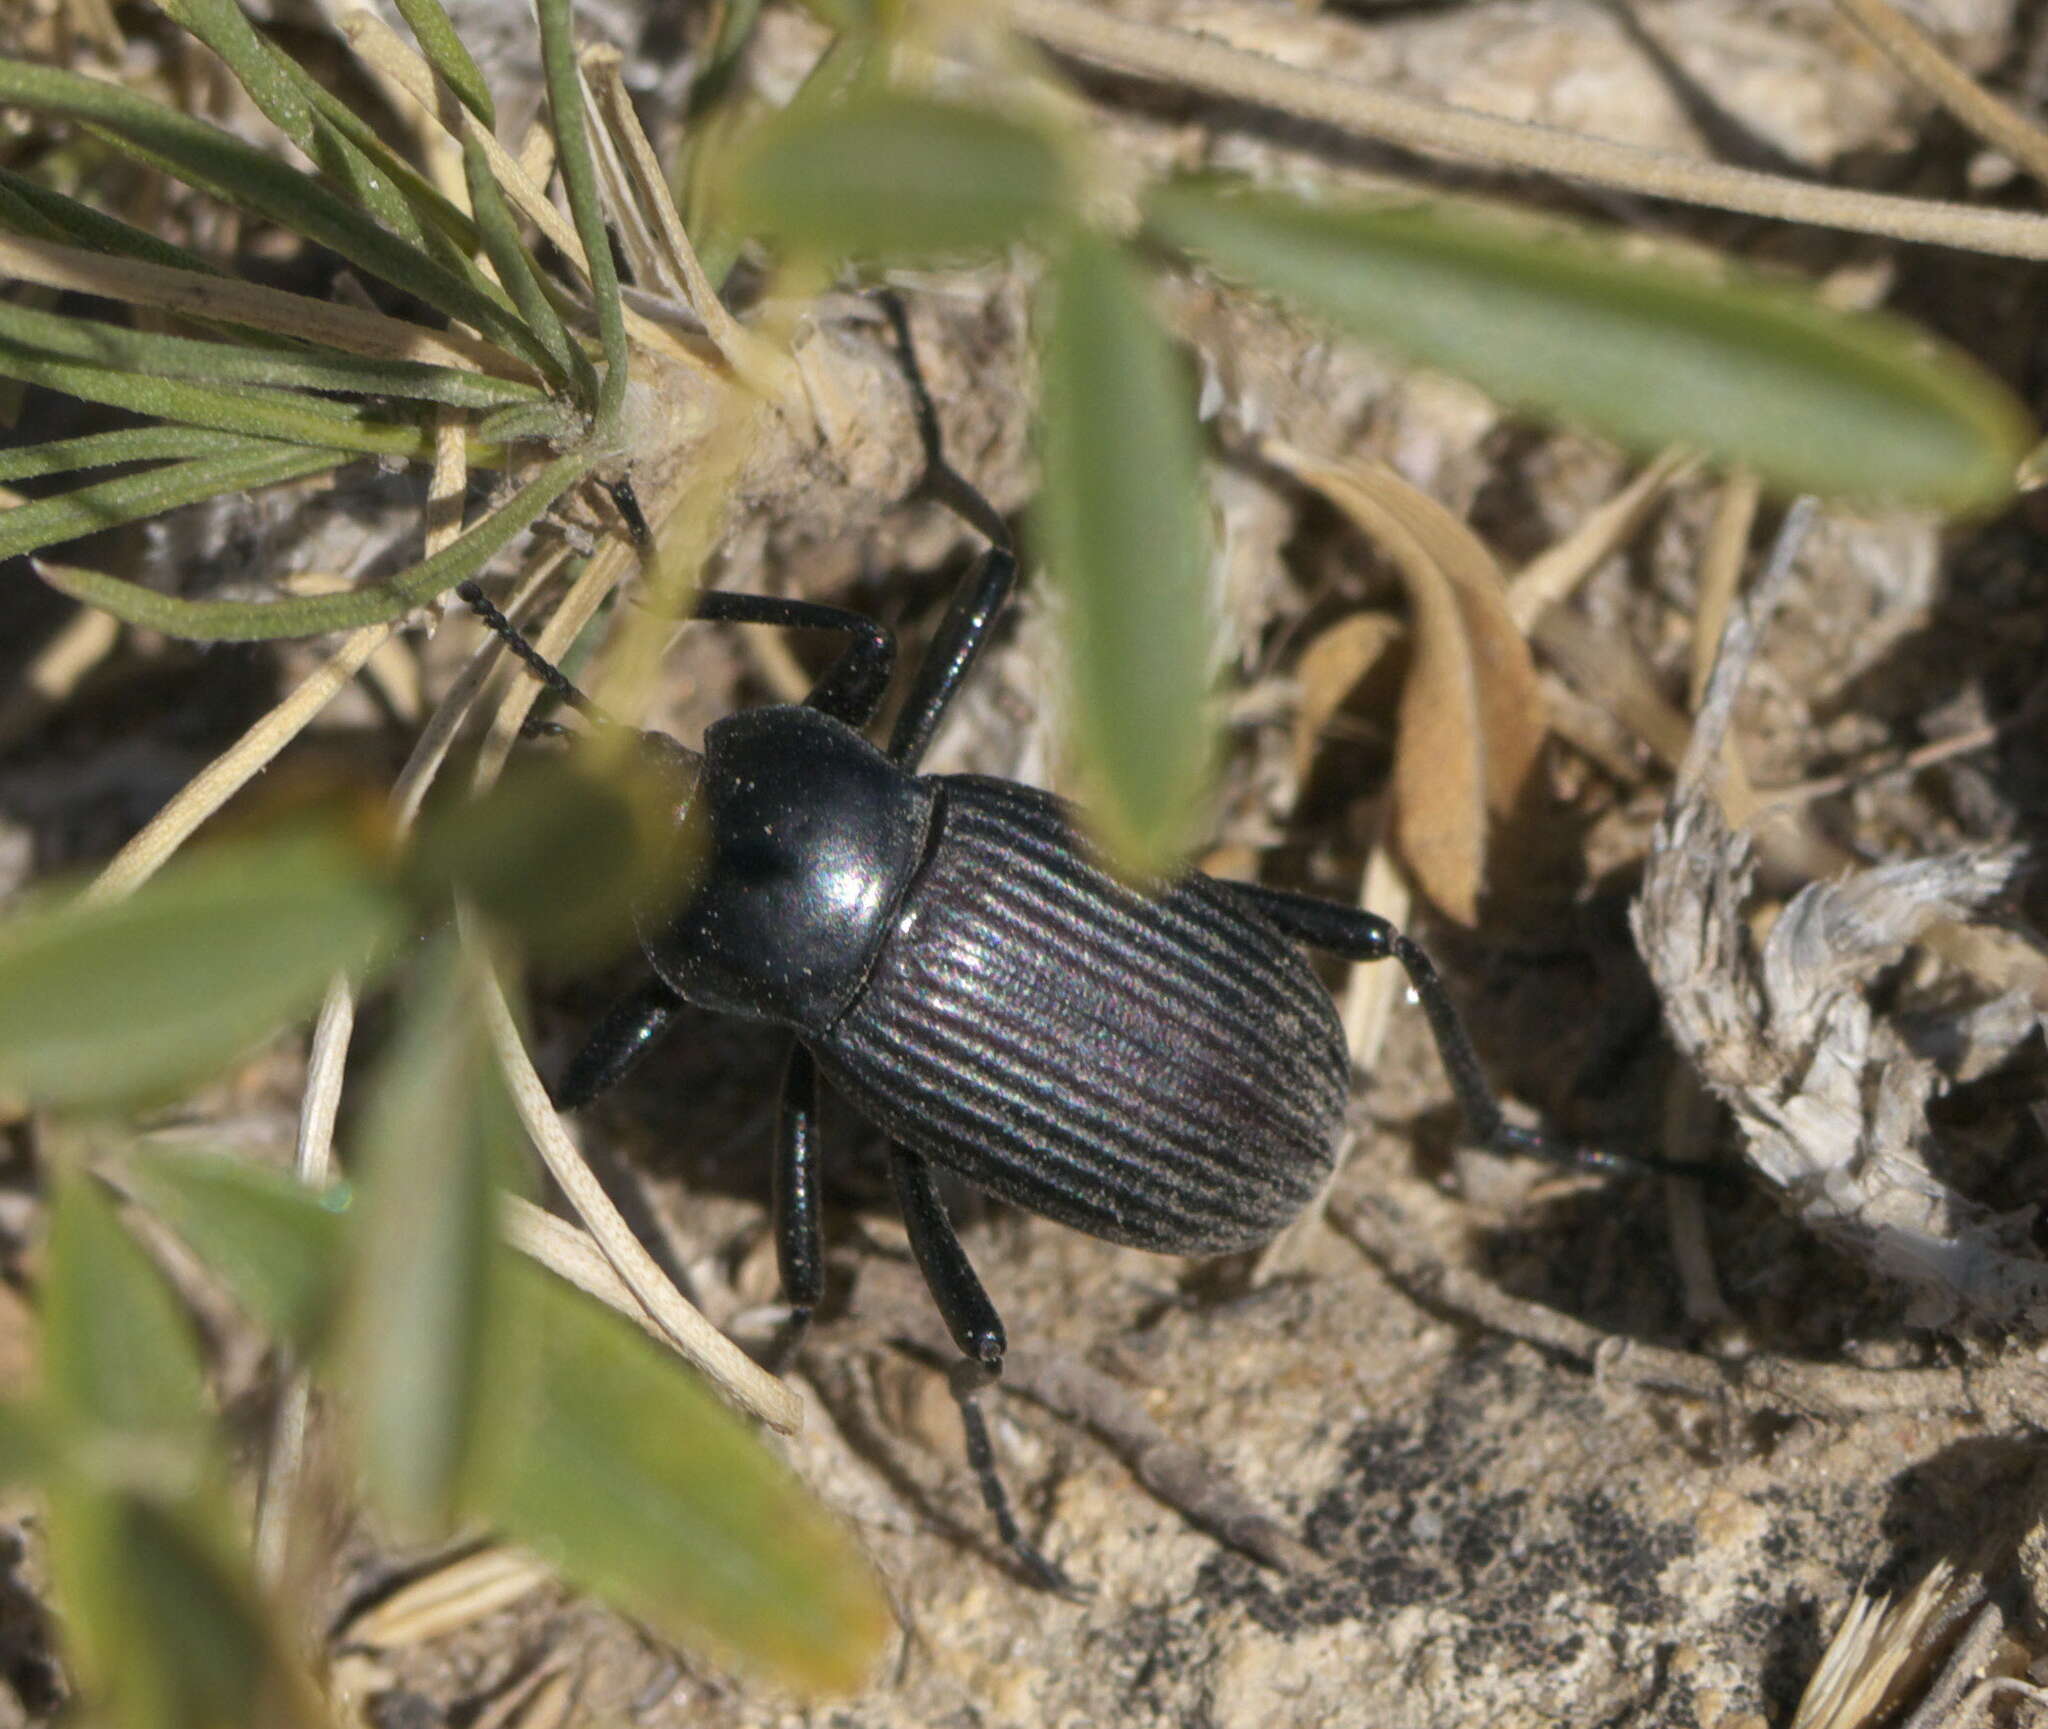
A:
(579, 180)
(133, 444)
(31, 1445)
(883, 175)
(625, 1473)
(1121, 515)
(76, 224)
(214, 162)
(438, 1141)
(147, 351)
(131, 497)
(1650, 354)
(310, 615)
(133, 999)
(447, 55)
(299, 420)
(508, 255)
(603, 1453)
(274, 1245)
(162, 1622)
(119, 1354)
(369, 174)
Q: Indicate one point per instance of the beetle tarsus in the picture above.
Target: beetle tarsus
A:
(968, 1380)
(788, 1340)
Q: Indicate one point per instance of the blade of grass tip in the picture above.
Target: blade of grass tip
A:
(444, 51)
(87, 510)
(78, 224)
(349, 153)
(304, 420)
(508, 255)
(579, 179)
(131, 444)
(215, 162)
(314, 615)
(155, 355)
(212, 299)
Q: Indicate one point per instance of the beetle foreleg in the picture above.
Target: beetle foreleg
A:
(625, 1035)
(1357, 935)
(978, 1330)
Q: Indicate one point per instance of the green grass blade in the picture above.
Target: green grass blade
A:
(883, 175)
(214, 162)
(349, 153)
(162, 1622)
(119, 1352)
(302, 420)
(132, 444)
(446, 54)
(274, 1245)
(131, 497)
(1121, 516)
(311, 615)
(78, 224)
(579, 180)
(508, 255)
(145, 351)
(1650, 354)
(126, 1000)
(438, 1140)
(623, 1471)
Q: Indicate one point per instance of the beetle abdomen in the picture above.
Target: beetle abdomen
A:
(1165, 1072)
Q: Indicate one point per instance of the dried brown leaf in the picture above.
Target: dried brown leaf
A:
(1472, 715)
(1332, 667)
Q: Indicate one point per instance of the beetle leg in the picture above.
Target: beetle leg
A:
(852, 687)
(1357, 935)
(984, 591)
(799, 1238)
(625, 1035)
(978, 1330)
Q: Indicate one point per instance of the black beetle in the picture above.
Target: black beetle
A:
(1162, 1070)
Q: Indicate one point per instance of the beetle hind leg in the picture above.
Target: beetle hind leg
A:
(978, 1330)
(1357, 935)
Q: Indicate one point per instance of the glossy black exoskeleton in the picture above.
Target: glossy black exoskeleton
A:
(1163, 1070)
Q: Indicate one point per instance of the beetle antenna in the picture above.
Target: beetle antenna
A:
(941, 480)
(550, 675)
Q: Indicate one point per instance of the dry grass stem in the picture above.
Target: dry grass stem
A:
(193, 294)
(1194, 62)
(209, 789)
(60, 666)
(1554, 574)
(447, 1599)
(1914, 52)
(695, 1339)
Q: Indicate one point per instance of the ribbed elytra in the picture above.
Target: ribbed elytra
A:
(1164, 1071)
